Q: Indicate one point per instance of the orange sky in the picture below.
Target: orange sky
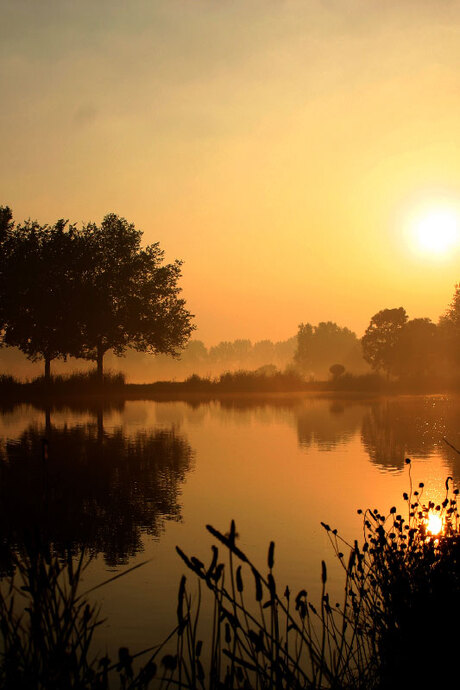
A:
(279, 147)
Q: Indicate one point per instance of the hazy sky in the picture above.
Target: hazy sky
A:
(281, 148)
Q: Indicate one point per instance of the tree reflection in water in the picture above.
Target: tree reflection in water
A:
(90, 489)
(327, 424)
(390, 429)
(395, 429)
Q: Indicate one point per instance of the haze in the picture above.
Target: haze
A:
(281, 149)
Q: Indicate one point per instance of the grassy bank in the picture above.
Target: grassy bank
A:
(87, 385)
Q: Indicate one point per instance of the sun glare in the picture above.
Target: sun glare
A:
(435, 524)
(436, 232)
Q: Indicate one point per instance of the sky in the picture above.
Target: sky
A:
(285, 150)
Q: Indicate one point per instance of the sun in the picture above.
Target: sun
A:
(434, 523)
(436, 232)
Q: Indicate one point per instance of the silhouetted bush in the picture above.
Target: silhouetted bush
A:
(81, 382)
(254, 381)
(76, 384)
(259, 381)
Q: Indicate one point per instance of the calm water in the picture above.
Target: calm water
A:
(129, 483)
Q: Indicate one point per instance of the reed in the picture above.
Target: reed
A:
(47, 628)
(401, 594)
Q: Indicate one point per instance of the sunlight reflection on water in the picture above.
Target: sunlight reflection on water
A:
(130, 482)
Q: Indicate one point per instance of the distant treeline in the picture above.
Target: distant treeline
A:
(72, 296)
(393, 347)
(263, 356)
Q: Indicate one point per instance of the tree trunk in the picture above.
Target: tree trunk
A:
(47, 422)
(47, 369)
(100, 363)
(100, 424)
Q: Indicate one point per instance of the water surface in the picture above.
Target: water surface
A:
(129, 482)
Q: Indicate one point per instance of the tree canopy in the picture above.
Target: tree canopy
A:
(449, 327)
(127, 297)
(81, 292)
(380, 339)
(38, 270)
(320, 346)
(416, 349)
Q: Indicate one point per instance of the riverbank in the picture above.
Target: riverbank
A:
(113, 387)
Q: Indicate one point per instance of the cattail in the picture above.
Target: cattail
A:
(199, 671)
(218, 574)
(271, 585)
(180, 603)
(239, 579)
(215, 555)
(232, 535)
(351, 560)
(271, 555)
(258, 585)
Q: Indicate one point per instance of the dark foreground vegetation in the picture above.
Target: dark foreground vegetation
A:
(391, 628)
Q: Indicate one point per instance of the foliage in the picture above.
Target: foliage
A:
(39, 265)
(381, 337)
(259, 381)
(6, 228)
(318, 346)
(449, 326)
(416, 349)
(127, 296)
(47, 628)
(65, 291)
(82, 382)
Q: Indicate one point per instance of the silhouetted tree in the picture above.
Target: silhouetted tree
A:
(6, 228)
(416, 348)
(39, 266)
(303, 356)
(449, 328)
(318, 345)
(381, 337)
(129, 298)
